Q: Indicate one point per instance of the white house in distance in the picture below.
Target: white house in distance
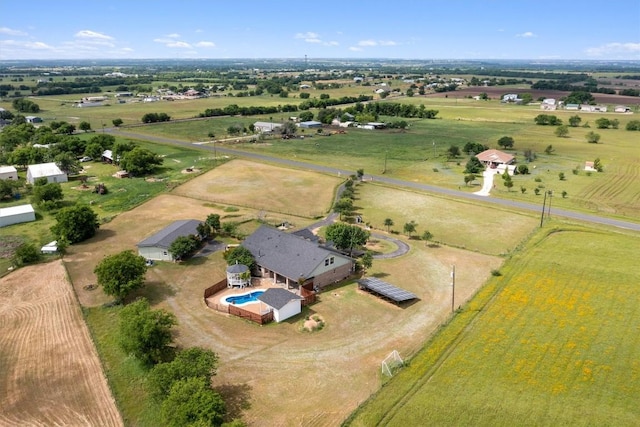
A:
(156, 247)
(51, 171)
(16, 215)
(8, 172)
(284, 304)
(263, 127)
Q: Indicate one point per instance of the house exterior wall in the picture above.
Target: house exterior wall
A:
(155, 253)
(289, 310)
(340, 270)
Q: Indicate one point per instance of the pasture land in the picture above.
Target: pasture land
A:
(551, 342)
(51, 373)
(258, 363)
(264, 187)
(463, 224)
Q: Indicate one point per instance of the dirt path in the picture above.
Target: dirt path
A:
(50, 374)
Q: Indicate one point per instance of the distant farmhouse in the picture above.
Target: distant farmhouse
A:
(292, 260)
(33, 119)
(156, 247)
(493, 158)
(265, 127)
(511, 98)
(51, 171)
(549, 104)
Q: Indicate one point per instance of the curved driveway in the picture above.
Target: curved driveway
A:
(387, 180)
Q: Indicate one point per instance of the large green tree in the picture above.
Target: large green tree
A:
(192, 402)
(75, 223)
(506, 142)
(344, 207)
(140, 161)
(50, 192)
(146, 333)
(240, 255)
(214, 221)
(183, 247)
(474, 165)
(121, 273)
(347, 237)
(193, 362)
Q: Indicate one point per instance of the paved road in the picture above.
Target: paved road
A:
(387, 180)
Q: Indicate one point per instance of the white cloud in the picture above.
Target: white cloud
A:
(367, 43)
(307, 35)
(88, 34)
(614, 49)
(205, 44)
(526, 34)
(173, 36)
(180, 45)
(355, 49)
(26, 45)
(12, 32)
(388, 43)
(126, 49)
(199, 31)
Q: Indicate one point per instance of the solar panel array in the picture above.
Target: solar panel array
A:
(386, 289)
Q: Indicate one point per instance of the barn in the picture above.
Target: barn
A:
(51, 171)
(8, 172)
(156, 247)
(16, 215)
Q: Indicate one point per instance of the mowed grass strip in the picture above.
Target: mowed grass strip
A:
(265, 187)
(556, 346)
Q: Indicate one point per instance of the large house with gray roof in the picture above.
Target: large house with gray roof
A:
(287, 258)
(156, 247)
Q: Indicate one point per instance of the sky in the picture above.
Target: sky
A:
(408, 29)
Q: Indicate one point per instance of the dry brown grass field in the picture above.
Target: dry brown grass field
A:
(263, 186)
(51, 373)
(289, 377)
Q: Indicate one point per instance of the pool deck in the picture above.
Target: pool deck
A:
(257, 284)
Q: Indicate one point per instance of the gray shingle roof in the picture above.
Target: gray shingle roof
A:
(287, 254)
(167, 235)
(278, 297)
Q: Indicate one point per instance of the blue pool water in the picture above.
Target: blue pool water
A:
(243, 298)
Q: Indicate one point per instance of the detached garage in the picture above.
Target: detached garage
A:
(16, 215)
(156, 247)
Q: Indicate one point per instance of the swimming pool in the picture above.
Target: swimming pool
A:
(243, 298)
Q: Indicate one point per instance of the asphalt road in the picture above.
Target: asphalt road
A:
(387, 180)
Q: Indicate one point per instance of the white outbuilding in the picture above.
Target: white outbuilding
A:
(51, 171)
(16, 215)
(284, 304)
(8, 172)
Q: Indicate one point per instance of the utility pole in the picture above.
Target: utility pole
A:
(544, 202)
(434, 149)
(453, 288)
(384, 170)
(549, 206)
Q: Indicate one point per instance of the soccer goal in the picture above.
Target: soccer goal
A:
(392, 363)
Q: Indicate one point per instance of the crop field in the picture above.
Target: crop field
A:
(51, 373)
(557, 345)
(264, 187)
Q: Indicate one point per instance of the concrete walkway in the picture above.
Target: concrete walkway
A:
(487, 184)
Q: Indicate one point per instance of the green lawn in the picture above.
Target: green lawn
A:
(555, 346)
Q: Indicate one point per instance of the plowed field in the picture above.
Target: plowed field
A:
(50, 372)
